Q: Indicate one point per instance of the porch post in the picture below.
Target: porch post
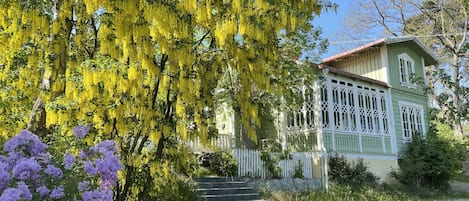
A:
(358, 124)
(392, 129)
(317, 113)
(330, 108)
(380, 115)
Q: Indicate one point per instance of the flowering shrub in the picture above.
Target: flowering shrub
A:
(29, 172)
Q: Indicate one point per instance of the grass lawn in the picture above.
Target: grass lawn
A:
(460, 177)
(379, 193)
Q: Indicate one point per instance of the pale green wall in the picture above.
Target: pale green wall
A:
(394, 75)
(400, 93)
(302, 142)
(347, 143)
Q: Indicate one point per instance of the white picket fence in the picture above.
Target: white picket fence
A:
(251, 165)
(223, 141)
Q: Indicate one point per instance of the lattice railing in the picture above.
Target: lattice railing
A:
(351, 108)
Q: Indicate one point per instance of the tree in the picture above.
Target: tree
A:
(431, 161)
(441, 25)
(140, 72)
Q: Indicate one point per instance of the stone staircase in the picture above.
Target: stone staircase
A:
(225, 189)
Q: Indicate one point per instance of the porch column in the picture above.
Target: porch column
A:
(330, 108)
(317, 114)
(392, 130)
(358, 123)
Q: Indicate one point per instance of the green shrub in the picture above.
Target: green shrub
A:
(298, 173)
(178, 188)
(354, 174)
(430, 162)
(202, 171)
(339, 193)
(271, 154)
(223, 163)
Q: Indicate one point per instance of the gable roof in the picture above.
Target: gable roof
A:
(353, 76)
(430, 58)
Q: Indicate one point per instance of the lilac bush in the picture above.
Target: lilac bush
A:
(29, 172)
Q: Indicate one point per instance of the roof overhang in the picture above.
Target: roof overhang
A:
(353, 76)
(430, 58)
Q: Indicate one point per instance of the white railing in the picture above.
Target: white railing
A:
(223, 141)
(251, 165)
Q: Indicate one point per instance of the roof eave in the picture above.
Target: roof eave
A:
(433, 59)
(353, 76)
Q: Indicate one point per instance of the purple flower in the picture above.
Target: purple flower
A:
(69, 160)
(93, 149)
(83, 186)
(108, 167)
(4, 177)
(26, 143)
(43, 191)
(80, 131)
(12, 160)
(25, 193)
(11, 194)
(26, 169)
(83, 154)
(107, 146)
(53, 171)
(57, 192)
(105, 184)
(44, 158)
(89, 168)
(105, 195)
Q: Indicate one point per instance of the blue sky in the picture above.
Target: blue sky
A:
(330, 22)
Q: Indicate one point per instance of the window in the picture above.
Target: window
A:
(412, 119)
(353, 108)
(406, 70)
(302, 118)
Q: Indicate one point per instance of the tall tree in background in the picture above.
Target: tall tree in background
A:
(140, 72)
(441, 25)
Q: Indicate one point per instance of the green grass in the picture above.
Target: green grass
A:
(381, 193)
(460, 177)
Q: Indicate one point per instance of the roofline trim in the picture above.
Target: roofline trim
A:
(383, 41)
(354, 76)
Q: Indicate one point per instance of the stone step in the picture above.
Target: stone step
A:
(222, 191)
(228, 184)
(232, 197)
(216, 179)
(225, 189)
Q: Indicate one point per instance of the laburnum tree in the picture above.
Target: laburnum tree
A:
(141, 72)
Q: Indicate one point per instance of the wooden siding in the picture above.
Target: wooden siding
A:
(367, 64)
(350, 143)
(394, 73)
(400, 95)
(225, 119)
(301, 142)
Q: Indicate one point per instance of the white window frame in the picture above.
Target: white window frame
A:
(420, 115)
(406, 72)
(302, 118)
(361, 112)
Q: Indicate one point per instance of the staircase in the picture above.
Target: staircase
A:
(225, 189)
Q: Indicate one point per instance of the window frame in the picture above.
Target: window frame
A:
(406, 72)
(412, 121)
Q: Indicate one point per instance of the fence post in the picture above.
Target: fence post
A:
(325, 181)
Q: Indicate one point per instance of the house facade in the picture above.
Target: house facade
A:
(371, 101)
(367, 103)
